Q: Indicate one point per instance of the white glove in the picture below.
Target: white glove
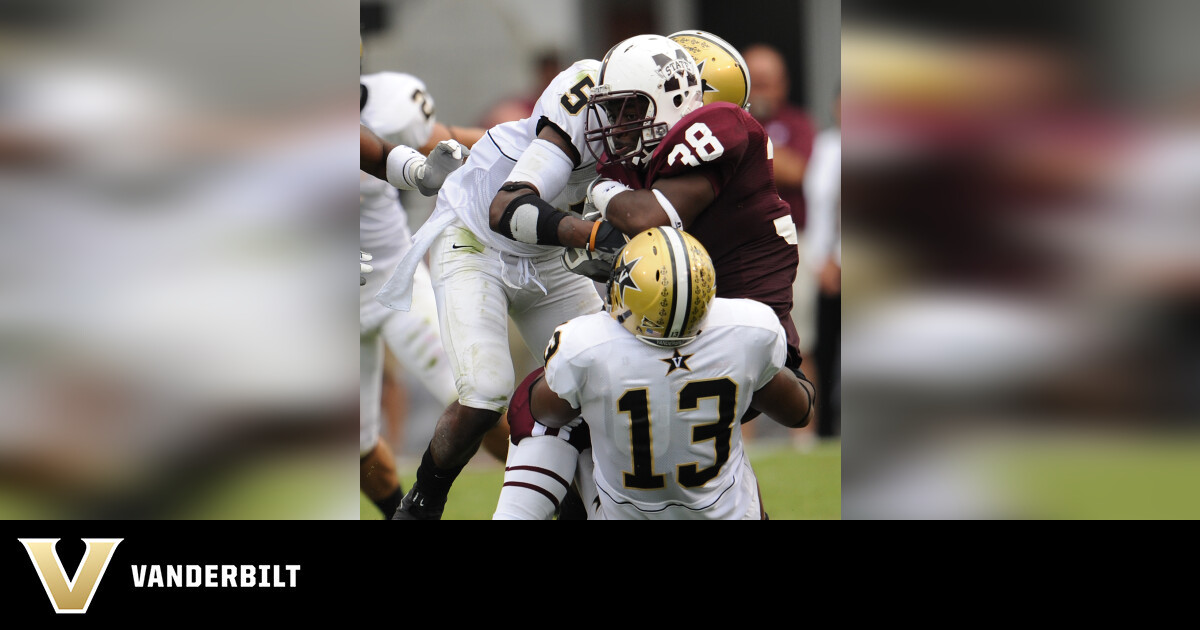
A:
(445, 158)
(594, 265)
(601, 191)
(363, 267)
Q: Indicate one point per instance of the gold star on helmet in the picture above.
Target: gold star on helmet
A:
(705, 86)
(623, 276)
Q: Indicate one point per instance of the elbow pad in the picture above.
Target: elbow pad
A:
(529, 219)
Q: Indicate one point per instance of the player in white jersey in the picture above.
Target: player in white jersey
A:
(662, 378)
(398, 108)
(481, 278)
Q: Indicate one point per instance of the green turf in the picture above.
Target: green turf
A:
(795, 485)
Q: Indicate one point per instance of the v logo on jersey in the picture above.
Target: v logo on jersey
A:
(74, 595)
(677, 362)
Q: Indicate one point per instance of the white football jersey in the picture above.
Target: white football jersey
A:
(666, 441)
(466, 195)
(563, 103)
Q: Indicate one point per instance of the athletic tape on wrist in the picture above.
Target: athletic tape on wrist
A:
(603, 193)
(402, 166)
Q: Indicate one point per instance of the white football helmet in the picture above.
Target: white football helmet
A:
(397, 107)
(647, 83)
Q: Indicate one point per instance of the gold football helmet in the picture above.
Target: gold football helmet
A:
(723, 72)
(661, 286)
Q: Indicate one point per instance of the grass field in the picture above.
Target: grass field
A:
(795, 485)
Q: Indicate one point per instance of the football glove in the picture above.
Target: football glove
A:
(593, 265)
(363, 267)
(444, 159)
(606, 239)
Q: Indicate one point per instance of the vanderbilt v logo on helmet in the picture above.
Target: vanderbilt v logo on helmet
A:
(661, 286)
(72, 595)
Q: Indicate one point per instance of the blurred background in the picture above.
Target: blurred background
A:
(177, 300)
(1022, 197)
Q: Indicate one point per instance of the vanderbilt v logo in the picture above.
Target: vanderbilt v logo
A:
(75, 595)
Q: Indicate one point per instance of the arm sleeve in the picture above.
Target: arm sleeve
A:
(770, 342)
(564, 375)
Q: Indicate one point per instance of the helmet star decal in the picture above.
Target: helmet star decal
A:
(624, 278)
(705, 86)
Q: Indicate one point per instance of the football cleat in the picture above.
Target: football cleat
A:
(416, 506)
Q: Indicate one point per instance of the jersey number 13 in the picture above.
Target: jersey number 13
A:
(635, 402)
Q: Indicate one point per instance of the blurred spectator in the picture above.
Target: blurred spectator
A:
(546, 65)
(823, 256)
(790, 128)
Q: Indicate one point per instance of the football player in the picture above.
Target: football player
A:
(706, 169)
(689, 158)
(541, 167)
(396, 108)
(662, 378)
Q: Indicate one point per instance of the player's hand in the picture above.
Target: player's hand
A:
(363, 267)
(600, 192)
(608, 239)
(593, 265)
(445, 158)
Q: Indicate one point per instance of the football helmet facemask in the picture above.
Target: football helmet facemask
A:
(723, 73)
(647, 83)
(661, 286)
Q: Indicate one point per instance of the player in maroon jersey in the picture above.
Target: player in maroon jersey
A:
(707, 171)
(704, 168)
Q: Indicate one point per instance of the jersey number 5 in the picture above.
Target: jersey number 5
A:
(702, 140)
(635, 402)
(576, 98)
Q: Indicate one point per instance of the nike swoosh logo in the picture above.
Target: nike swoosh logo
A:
(457, 246)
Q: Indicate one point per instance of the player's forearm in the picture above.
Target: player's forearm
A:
(635, 210)
(573, 232)
(372, 153)
(786, 400)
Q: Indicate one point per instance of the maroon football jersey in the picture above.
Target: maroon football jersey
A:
(745, 229)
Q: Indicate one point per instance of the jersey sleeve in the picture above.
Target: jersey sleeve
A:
(711, 141)
(768, 341)
(563, 106)
(398, 108)
(564, 375)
